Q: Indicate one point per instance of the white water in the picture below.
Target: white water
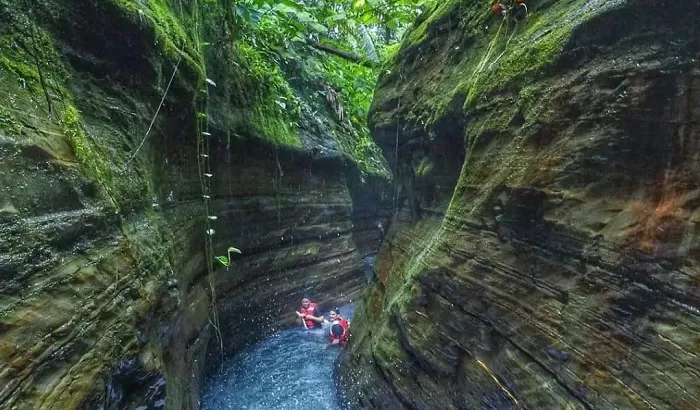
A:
(291, 370)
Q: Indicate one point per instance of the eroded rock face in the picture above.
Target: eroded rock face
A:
(560, 269)
(105, 297)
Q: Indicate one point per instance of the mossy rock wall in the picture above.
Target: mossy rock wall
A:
(558, 267)
(105, 300)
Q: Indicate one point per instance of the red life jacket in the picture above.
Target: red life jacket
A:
(346, 329)
(310, 311)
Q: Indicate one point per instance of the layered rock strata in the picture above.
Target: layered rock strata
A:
(559, 268)
(114, 123)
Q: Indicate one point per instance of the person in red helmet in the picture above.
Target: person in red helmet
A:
(498, 8)
(339, 331)
(308, 315)
(516, 9)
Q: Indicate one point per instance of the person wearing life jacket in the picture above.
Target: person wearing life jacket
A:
(308, 315)
(339, 331)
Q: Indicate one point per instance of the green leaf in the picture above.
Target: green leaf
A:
(243, 12)
(358, 4)
(223, 260)
(337, 17)
(367, 43)
(292, 4)
(369, 18)
(304, 17)
(393, 24)
(319, 28)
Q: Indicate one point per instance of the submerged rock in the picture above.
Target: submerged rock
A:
(545, 253)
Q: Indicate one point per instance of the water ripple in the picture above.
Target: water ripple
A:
(291, 370)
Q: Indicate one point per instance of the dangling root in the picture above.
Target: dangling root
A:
(215, 316)
(162, 100)
(504, 50)
(488, 54)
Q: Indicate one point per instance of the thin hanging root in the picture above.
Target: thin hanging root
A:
(278, 185)
(162, 100)
(490, 49)
(215, 325)
(504, 50)
(396, 161)
(477, 73)
(215, 322)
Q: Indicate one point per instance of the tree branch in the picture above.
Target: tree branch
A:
(342, 54)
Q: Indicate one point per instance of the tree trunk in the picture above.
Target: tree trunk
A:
(342, 54)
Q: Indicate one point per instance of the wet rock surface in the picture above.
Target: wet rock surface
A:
(105, 297)
(559, 268)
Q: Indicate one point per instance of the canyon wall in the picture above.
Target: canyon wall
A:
(126, 144)
(545, 250)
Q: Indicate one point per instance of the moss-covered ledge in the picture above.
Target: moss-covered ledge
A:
(105, 297)
(563, 270)
(479, 55)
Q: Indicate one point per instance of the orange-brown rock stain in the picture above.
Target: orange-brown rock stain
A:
(660, 223)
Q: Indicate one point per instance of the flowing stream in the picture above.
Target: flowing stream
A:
(290, 370)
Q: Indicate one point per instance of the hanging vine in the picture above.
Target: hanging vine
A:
(278, 185)
(272, 27)
(204, 169)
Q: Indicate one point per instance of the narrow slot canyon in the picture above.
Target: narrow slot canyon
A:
(502, 197)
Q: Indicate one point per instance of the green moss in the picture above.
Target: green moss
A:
(273, 127)
(29, 56)
(94, 164)
(519, 62)
(272, 108)
(26, 75)
(390, 54)
(8, 122)
(534, 48)
(368, 156)
(342, 92)
(168, 27)
(490, 61)
(497, 58)
(32, 72)
(419, 33)
(529, 94)
(97, 161)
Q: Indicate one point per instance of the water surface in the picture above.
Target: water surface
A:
(291, 370)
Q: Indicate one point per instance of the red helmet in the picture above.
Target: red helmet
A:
(497, 8)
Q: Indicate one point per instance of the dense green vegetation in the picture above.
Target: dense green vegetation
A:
(265, 69)
(335, 46)
(362, 32)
